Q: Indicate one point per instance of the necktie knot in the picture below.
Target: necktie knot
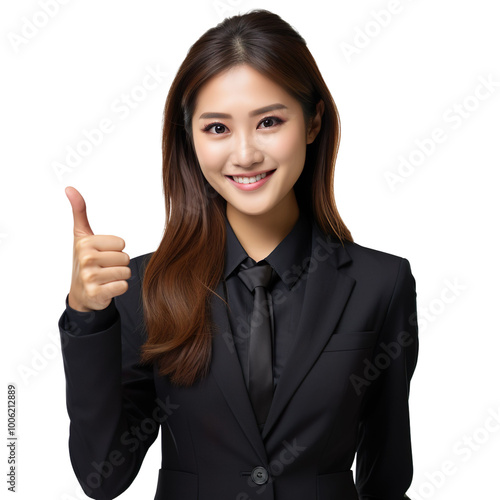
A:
(258, 275)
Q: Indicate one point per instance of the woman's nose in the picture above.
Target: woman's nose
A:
(246, 151)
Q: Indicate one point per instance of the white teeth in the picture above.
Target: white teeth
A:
(248, 180)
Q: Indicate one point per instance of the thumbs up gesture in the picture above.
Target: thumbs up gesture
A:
(100, 267)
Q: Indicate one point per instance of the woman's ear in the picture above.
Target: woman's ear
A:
(315, 123)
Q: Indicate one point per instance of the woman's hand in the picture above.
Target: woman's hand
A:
(100, 268)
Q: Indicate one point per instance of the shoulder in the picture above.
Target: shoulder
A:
(138, 265)
(375, 266)
(363, 255)
(358, 257)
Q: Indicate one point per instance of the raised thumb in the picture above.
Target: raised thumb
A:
(81, 226)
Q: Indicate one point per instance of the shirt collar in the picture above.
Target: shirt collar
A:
(235, 253)
(288, 259)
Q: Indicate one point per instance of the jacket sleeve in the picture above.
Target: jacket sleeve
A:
(83, 323)
(110, 396)
(384, 467)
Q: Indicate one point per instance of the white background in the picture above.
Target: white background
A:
(418, 67)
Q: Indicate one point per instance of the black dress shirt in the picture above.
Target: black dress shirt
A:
(289, 261)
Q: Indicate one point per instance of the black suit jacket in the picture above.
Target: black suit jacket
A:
(344, 390)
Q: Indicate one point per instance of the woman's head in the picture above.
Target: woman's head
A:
(260, 41)
(250, 139)
(255, 49)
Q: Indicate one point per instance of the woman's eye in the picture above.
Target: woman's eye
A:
(216, 126)
(267, 122)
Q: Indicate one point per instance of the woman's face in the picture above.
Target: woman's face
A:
(250, 138)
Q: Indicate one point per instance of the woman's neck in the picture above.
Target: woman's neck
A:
(259, 235)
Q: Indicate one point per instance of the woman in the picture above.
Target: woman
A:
(262, 390)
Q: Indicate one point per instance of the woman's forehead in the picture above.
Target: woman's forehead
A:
(242, 87)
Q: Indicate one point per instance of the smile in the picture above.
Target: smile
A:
(249, 180)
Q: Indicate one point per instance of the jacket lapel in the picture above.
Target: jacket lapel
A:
(327, 292)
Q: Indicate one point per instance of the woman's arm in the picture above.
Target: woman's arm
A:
(384, 467)
(110, 396)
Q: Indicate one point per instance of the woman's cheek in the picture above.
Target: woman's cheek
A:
(214, 154)
(287, 148)
(208, 157)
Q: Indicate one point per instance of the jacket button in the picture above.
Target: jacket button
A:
(259, 475)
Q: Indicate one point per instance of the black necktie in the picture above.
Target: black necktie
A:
(260, 380)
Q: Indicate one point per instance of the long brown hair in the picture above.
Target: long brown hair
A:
(183, 273)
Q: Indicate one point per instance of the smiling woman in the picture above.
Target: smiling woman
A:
(252, 158)
(247, 334)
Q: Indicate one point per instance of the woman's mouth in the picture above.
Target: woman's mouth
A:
(249, 180)
(248, 183)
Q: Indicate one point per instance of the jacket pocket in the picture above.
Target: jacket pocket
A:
(345, 341)
(176, 485)
(337, 485)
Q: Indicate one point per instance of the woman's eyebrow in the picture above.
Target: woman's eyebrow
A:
(255, 112)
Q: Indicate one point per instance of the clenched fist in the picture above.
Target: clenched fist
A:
(100, 267)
